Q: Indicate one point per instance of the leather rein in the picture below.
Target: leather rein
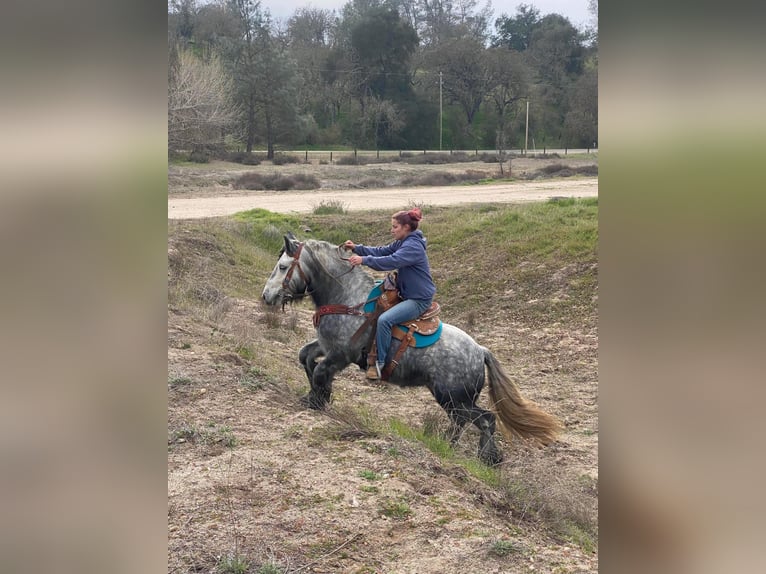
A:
(323, 310)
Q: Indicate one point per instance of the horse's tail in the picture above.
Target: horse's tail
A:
(517, 415)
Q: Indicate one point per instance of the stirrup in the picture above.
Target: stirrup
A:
(373, 372)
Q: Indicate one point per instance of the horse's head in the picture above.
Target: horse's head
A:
(287, 281)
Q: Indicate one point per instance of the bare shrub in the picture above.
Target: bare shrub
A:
(253, 181)
(347, 423)
(372, 182)
(276, 181)
(587, 170)
(553, 168)
(437, 178)
(242, 157)
(536, 486)
(305, 181)
(438, 158)
(218, 309)
(284, 159)
(199, 156)
(351, 160)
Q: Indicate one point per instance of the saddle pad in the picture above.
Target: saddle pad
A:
(420, 340)
(424, 340)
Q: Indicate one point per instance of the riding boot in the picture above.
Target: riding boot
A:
(372, 371)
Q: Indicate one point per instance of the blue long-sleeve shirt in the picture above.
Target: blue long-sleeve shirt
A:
(409, 257)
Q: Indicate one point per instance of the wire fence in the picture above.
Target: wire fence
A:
(333, 156)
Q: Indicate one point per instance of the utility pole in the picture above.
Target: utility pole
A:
(526, 129)
(441, 122)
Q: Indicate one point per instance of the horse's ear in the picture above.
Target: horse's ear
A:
(291, 243)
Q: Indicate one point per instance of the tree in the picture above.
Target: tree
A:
(467, 77)
(581, 121)
(557, 56)
(200, 108)
(509, 85)
(382, 45)
(264, 76)
(516, 33)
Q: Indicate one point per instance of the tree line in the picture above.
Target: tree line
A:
(378, 74)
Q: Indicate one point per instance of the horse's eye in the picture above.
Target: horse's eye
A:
(283, 267)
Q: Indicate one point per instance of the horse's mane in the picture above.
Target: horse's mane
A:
(327, 256)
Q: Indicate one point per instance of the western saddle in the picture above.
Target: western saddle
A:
(426, 324)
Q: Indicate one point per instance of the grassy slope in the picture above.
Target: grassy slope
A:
(507, 254)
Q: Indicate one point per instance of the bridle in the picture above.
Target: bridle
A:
(295, 264)
(289, 295)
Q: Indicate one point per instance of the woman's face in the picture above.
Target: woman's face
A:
(398, 230)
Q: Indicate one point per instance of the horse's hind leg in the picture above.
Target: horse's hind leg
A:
(461, 411)
(308, 357)
(485, 422)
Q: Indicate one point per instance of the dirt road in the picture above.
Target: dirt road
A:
(388, 198)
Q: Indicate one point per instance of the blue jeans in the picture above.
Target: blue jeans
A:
(405, 311)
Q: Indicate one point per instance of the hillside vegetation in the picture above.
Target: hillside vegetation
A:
(258, 484)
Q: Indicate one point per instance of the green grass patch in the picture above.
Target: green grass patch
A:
(442, 448)
(504, 548)
(370, 475)
(398, 509)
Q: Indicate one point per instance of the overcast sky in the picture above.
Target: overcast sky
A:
(575, 10)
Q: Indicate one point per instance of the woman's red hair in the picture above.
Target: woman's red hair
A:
(410, 217)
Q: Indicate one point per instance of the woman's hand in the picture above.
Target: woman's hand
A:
(349, 245)
(355, 260)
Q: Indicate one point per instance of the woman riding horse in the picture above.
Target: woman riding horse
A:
(406, 254)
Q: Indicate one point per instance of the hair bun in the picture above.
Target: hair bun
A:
(415, 214)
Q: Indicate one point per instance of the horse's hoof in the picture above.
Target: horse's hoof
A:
(491, 457)
(312, 402)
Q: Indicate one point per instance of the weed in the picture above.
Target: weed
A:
(185, 433)
(504, 548)
(270, 568)
(330, 206)
(179, 381)
(252, 383)
(370, 475)
(398, 509)
(222, 435)
(233, 564)
(245, 351)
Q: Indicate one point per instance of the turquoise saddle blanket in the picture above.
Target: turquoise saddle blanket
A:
(420, 340)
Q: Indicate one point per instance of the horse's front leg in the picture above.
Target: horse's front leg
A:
(308, 357)
(321, 382)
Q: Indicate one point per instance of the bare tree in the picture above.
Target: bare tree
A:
(509, 85)
(200, 108)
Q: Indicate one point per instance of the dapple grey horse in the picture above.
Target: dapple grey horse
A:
(453, 368)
